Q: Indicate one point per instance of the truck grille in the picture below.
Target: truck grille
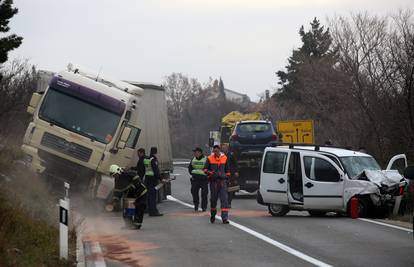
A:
(61, 145)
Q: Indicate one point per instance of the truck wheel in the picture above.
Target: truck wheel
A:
(277, 210)
(317, 213)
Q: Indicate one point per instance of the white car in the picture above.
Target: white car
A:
(322, 179)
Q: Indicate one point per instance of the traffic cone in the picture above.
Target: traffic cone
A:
(354, 207)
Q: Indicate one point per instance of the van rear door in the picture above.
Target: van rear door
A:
(323, 182)
(273, 179)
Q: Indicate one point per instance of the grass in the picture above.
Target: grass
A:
(28, 218)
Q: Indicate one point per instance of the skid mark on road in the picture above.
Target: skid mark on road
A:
(118, 248)
(114, 243)
(264, 238)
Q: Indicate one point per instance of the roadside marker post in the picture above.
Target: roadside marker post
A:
(63, 223)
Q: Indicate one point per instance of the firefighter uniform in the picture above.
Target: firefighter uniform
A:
(198, 181)
(218, 171)
(128, 184)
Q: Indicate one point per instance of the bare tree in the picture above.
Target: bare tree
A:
(16, 88)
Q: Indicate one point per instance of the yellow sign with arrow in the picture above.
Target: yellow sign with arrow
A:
(296, 131)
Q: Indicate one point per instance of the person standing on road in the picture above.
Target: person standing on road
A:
(152, 178)
(128, 184)
(140, 168)
(198, 179)
(234, 174)
(218, 173)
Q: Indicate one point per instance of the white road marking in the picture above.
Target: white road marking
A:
(96, 251)
(387, 225)
(180, 162)
(262, 237)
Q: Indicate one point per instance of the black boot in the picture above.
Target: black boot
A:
(213, 216)
(196, 207)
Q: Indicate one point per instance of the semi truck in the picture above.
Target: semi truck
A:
(83, 122)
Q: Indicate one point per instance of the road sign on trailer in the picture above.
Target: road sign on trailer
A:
(296, 131)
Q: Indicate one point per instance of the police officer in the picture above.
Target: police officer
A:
(198, 179)
(129, 184)
(218, 173)
(140, 168)
(152, 178)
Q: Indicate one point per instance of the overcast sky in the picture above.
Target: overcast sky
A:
(243, 41)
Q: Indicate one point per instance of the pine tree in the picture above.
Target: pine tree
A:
(222, 94)
(316, 46)
(12, 41)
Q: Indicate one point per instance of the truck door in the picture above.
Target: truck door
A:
(273, 180)
(323, 182)
(126, 155)
(398, 162)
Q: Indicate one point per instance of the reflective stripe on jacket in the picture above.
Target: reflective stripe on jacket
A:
(198, 166)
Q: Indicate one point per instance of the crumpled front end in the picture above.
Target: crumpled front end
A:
(381, 186)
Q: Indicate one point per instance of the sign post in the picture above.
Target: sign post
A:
(63, 224)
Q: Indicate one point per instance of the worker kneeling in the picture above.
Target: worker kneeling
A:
(218, 173)
(128, 185)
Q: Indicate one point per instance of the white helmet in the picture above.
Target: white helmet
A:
(115, 169)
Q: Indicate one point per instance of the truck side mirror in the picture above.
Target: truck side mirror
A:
(34, 101)
(409, 172)
(124, 137)
(211, 142)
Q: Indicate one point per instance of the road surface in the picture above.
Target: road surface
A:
(183, 237)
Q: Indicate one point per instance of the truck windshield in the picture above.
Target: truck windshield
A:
(79, 116)
(356, 165)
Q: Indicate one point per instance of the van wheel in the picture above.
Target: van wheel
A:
(317, 213)
(277, 210)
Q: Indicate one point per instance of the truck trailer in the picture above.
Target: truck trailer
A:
(83, 122)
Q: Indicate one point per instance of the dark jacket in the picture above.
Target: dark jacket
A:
(124, 180)
(140, 168)
(154, 166)
(232, 161)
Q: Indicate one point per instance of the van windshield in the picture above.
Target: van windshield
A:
(79, 116)
(356, 165)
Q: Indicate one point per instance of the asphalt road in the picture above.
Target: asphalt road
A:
(183, 237)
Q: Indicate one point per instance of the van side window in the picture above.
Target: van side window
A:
(133, 137)
(275, 162)
(320, 170)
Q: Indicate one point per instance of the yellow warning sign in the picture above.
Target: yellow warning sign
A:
(296, 132)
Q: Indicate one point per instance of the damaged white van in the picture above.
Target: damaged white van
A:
(322, 179)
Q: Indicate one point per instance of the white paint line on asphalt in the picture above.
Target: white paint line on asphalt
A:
(387, 225)
(180, 162)
(94, 252)
(262, 237)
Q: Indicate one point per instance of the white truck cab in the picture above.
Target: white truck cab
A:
(322, 179)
